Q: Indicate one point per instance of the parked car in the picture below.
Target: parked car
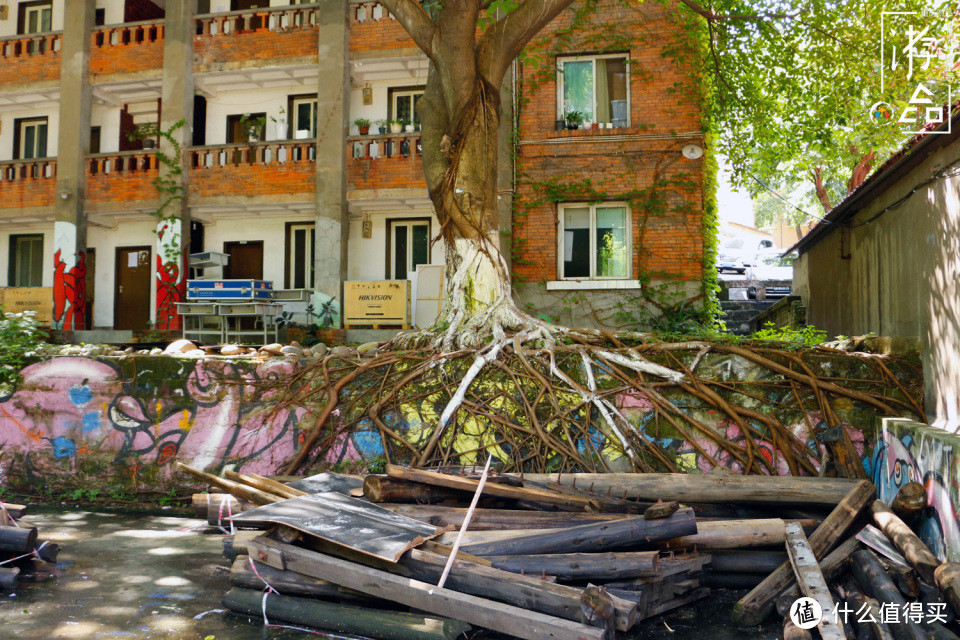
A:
(738, 254)
(771, 276)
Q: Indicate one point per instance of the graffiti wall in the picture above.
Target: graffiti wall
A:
(913, 452)
(124, 420)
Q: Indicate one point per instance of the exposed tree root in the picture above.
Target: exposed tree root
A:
(547, 398)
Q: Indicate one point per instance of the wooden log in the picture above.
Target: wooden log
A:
(811, 581)
(383, 488)
(48, 551)
(844, 454)
(8, 578)
(493, 489)
(264, 484)
(597, 610)
(236, 545)
(917, 554)
(201, 502)
(599, 536)
(737, 561)
(732, 534)
(498, 519)
(867, 623)
(870, 575)
(833, 566)
(18, 540)
(582, 566)
(723, 489)
(343, 618)
(218, 514)
(793, 632)
(947, 579)
(753, 608)
(15, 511)
(910, 502)
(530, 625)
(235, 489)
(661, 510)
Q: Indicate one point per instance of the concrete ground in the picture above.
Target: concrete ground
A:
(151, 578)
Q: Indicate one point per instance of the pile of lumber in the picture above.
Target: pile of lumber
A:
(552, 556)
(21, 551)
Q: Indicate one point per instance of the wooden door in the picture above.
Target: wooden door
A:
(246, 260)
(131, 296)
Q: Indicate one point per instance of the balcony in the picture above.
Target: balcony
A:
(244, 38)
(275, 171)
(29, 59)
(27, 183)
(373, 29)
(126, 48)
(384, 161)
(122, 180)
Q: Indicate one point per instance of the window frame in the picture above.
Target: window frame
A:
(392, 224)
(13, 258)
(290, 267)
(292, 103)
(18, 127)
(395, 92)
(593, 239)
(24, 9)
(561, 60)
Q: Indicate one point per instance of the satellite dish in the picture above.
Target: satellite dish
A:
(692, 151)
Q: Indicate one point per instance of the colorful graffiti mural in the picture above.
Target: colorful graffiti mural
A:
(69, 293)
(128, 418)
(913, 452)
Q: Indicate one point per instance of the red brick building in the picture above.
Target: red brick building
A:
(276, 173)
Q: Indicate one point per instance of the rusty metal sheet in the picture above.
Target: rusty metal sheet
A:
(325, 482)
(352, 523)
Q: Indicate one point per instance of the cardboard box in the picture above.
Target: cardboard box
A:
(18, 299)
(382, 302)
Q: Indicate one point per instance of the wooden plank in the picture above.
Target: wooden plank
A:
(875, 582)
(340, 519)
(732, 489)
(811, 581)
(492, 489)
(598, 536)
(917, 554)
(583, 566)
(234, 488)
(499, 519)
(504, 618)
(758, 604)
(732, 534)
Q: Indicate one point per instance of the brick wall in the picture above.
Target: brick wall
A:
(241, 180)
(259, 44)
(19, 66)
(121, 186)
(386, 173)
(377, 35)
(666, 232)
(126, 50)
(27, 192)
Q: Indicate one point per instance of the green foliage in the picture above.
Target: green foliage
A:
(804, 335)
(167, 182)
(21, 339)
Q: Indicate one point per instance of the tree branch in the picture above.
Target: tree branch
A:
(507, 37)
(415, 20)
(710, 16)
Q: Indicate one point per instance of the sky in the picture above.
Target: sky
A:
(731, 205)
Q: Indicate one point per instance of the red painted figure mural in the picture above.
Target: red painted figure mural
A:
(171, 284)
(69, 293)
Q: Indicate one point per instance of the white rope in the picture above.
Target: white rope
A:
(466, 523)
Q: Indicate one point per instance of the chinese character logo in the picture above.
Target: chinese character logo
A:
(806, 613)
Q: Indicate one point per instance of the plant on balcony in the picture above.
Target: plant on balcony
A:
(363, 126)
(254, 126)
(381, 125)
(281, 124)
(407, 125)
(396, 126)
(146, 134)
(574, 119)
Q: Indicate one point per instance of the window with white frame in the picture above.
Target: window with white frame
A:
(304, 110)
(403, 104)
(26, 260)
(300, 245)
(408, 247)
(35, 17)
(594, 241)
(597, 87)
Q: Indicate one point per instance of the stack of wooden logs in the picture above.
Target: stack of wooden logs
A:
(20, 548)
(577, 555)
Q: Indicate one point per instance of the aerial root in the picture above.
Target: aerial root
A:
(549, 399)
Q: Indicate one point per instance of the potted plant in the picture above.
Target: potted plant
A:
(396, 126)
(574, 119)
(408, 126)
(363, 126)
(146, 133)
(254, 126)
(281, 124)
(381, 126)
